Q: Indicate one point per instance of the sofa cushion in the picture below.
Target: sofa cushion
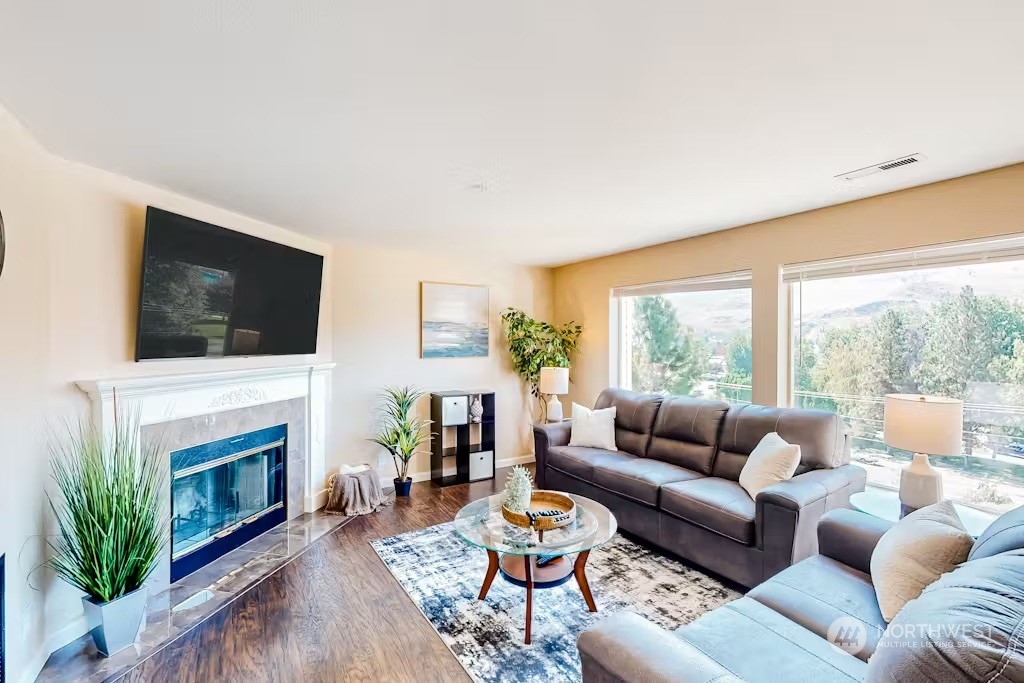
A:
(758, 644)
(639, 478)
(967, 626)
(686, 432)
(593, 428)
(716, 504)
(919, 549)
(634, 417)
(772, 461)
(1006, 533)
(579, 461)
(821, 435)
(817, 591)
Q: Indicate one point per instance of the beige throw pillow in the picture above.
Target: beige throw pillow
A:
(593, 428)
(909, 557)
(772, 460)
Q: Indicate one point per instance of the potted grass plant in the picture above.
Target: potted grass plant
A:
(109, 522)
(401, 432)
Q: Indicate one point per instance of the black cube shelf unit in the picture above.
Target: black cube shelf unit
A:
(461, 449)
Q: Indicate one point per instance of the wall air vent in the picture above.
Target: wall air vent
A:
(884, 166)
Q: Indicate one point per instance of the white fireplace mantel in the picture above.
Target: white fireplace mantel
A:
(162, 398)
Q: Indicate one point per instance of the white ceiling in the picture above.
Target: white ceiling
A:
(541, 131)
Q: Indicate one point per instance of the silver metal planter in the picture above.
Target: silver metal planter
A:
(117, 622)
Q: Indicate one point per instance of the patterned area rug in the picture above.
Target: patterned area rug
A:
(442, 574)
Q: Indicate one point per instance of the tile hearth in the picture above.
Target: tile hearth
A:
(191, 600)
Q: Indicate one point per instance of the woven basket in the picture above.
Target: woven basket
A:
(330, 480)
(544, 500)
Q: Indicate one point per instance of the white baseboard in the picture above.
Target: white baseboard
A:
(35, 664)
(510, 462)
(424, 475)
(316, 501)
(73, 630)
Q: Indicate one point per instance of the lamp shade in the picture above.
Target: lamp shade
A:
(554, 380)
(932, 425)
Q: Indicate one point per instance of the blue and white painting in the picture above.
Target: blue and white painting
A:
(455, 320)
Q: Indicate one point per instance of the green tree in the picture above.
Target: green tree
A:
(739, 364)
(893, 355)
(1009, 369)
(666, 357)
(864, 363)
(844, 364)
(959, 344)
(804, 361)
(739, 360)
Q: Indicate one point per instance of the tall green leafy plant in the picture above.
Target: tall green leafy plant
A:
(109, 512)
(401, 432)
(535, 344)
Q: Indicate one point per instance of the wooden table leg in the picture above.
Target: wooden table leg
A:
(580, 572)
(492, 571)
(528, 567)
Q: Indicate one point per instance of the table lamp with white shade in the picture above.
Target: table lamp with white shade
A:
(923, 425)
(553, 381)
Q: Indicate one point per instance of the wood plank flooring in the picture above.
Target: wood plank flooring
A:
(334, 613)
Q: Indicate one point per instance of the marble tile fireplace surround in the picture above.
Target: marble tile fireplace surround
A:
(188, 410)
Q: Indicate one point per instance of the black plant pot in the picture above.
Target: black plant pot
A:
(402, 488)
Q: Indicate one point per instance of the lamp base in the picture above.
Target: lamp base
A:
(553, 408)
(920, 485)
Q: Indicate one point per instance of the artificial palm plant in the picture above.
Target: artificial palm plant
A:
(110, 521)
(401, 432)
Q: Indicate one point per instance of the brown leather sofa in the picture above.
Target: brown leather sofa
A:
(674, 479)
(966, 626)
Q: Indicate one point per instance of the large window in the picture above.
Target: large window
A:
(689, 338)
(939, 322)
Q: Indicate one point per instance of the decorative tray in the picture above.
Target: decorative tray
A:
(548, 510)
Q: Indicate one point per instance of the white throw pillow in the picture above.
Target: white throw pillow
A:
(772, 460)
(909, 557)
(594, 428)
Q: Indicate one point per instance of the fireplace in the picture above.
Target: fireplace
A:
(225, 493)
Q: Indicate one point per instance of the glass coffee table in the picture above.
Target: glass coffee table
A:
(536, 559)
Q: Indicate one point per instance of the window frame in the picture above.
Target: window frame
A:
(951, 254)
(620, 311)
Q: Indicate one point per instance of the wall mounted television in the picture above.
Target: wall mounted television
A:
(210, 292)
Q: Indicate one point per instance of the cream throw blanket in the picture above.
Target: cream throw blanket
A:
(356, 494)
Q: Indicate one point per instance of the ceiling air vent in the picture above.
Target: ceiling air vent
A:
(884, 166)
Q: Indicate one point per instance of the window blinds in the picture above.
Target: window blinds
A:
(952, 253)
(734, 280)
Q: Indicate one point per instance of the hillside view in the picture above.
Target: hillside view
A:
(953, 331)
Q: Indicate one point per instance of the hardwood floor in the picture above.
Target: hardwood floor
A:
(334, 613)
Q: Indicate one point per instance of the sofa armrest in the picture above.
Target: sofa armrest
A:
(849, 536)
(787, 513)
(626, 647)
(544, 437)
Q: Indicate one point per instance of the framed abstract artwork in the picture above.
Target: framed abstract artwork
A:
(454, 320)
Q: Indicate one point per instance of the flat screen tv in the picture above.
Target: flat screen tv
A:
(211, 292)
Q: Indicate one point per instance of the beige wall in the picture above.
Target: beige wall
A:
(981, 205)
(377, 343)
(68, 295)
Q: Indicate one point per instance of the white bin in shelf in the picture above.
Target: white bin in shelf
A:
(454, 410)
(481, 465)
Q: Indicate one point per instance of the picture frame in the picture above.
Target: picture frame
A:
(454, 320)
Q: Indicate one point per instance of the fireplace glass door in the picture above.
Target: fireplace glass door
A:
(217, 499)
